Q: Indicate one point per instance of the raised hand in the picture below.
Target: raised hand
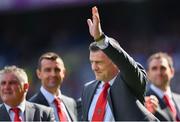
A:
(94, 24)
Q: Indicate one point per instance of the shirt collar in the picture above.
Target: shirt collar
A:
(21, 106)
(161, 93)
(49, 96)
(110, 82)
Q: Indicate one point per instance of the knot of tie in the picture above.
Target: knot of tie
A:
(16, 111)
(57, 101)
(106, 86)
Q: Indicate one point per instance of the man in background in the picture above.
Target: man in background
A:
(13, 89)
(160, 71)
(51, 72)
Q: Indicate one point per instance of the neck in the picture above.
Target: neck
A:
(53, 91)
(164, 89)
(14, 103)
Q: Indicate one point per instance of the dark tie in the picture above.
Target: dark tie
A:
(170, 106)
(61, 114)
(16, 111)
(100, 107)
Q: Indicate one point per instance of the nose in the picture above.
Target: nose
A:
(53, 73)
(159, 71)
(6, 85)
(94, 66)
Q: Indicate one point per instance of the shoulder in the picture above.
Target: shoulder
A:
(176, 98)
(176, 94)
(69, 102)
(66, 98)
(38, 106)
(71, 106)
(1, 105)
(36, 96)
(89, 88)
(90, 83)
(39, 98)
(45, 112)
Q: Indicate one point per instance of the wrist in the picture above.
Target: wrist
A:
(100, 38)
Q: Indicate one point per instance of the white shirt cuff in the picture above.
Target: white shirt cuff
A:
(102, 44)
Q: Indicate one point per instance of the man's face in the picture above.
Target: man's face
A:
(160, 73)
(12, 91)
(51, 73)
(102, 66)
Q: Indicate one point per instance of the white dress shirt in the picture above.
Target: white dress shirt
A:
(21, 106)
(108, 115)
(50, 98)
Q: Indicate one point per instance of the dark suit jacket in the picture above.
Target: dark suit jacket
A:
(33, 112)
(79, 109)
(126, 95)
(69, 103)
(163, 113)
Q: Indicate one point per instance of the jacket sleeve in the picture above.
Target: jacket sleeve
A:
(131, 72)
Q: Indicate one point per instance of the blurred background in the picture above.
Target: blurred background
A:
(29, 28)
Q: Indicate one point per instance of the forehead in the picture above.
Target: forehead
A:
(48, 62)
(97, 55)
(159, 62)
(9, 77)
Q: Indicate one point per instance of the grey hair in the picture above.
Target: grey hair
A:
(18, 72)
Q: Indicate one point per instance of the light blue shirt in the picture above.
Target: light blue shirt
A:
(50, 98)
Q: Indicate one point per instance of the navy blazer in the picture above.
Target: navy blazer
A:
(33, 112)
(126, 95)
(163, 113)
(69, 103)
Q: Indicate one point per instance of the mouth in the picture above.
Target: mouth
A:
(53, 83)
(97, 72)
(7, 93)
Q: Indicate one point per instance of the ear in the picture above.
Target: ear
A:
(38, 73)
(172, 72)
(63, 73)
(26, 87)
(148, 74)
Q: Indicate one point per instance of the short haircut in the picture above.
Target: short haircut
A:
(159, 55)
(93, 47)
(18, 72)
(50, 56)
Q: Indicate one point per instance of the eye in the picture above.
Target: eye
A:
(3, 83)
(154, 68)
(13, 82)
(163, 68)
(47, 69)
(57, 70)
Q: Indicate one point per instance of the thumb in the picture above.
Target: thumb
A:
(89, 22)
